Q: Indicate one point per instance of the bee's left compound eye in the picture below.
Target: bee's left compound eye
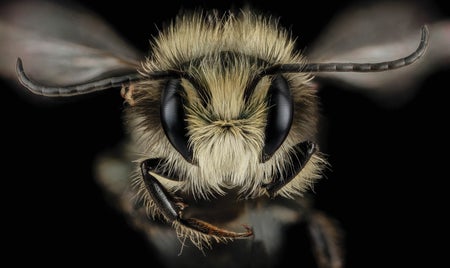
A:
(173, 118)
(279, 117)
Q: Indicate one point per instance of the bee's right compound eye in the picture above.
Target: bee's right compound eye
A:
(173, 118)
(279, 117)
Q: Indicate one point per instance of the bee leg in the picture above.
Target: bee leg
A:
(302, 152)
(326, 241)
(210, 229)
(171, 207)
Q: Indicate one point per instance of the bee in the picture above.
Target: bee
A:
(222, 124)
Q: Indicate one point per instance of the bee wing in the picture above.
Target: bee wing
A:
(60, 44)
(378, 32)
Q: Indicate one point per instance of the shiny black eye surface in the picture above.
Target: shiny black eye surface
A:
(173, 118)
(279, 117)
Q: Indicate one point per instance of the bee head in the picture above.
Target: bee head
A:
(223, 102)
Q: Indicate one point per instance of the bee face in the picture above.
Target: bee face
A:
(219, 125)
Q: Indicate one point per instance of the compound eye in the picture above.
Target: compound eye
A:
(173, 118)
(279, 117)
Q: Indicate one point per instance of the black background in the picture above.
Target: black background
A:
(386, 186)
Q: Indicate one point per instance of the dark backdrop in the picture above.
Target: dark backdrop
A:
(386, 186)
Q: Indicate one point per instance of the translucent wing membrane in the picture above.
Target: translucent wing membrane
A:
(355, 67)
(375, 31)
(62, 45)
